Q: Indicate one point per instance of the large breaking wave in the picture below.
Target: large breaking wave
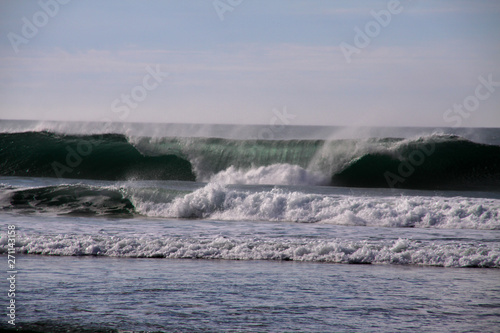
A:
(429, 162)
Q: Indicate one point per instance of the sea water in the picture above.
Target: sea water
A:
(263, 239)
(94, 294)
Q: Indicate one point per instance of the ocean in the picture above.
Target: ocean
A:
(122, 227)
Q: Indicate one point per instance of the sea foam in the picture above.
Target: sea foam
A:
(217, 201)
(401, 251)
(276, 174)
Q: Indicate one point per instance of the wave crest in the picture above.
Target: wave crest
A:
(430, 162)
(220, 202)
(216, 201)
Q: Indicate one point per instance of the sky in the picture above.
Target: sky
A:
(316, 62)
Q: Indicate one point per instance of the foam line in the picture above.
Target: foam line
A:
(401, 251)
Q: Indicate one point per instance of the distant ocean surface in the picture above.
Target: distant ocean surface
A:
(221, 228)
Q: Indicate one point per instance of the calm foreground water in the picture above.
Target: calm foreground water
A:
(88, 293)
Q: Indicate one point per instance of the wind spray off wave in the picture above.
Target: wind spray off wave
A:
(436, 161)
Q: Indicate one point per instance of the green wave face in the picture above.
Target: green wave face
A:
(431, 162)
(451, 163)
(103, 157)
(209, 156)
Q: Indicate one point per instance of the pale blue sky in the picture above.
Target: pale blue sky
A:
(264, 55)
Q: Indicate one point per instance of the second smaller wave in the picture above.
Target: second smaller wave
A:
(216, 201)
(221, 202)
